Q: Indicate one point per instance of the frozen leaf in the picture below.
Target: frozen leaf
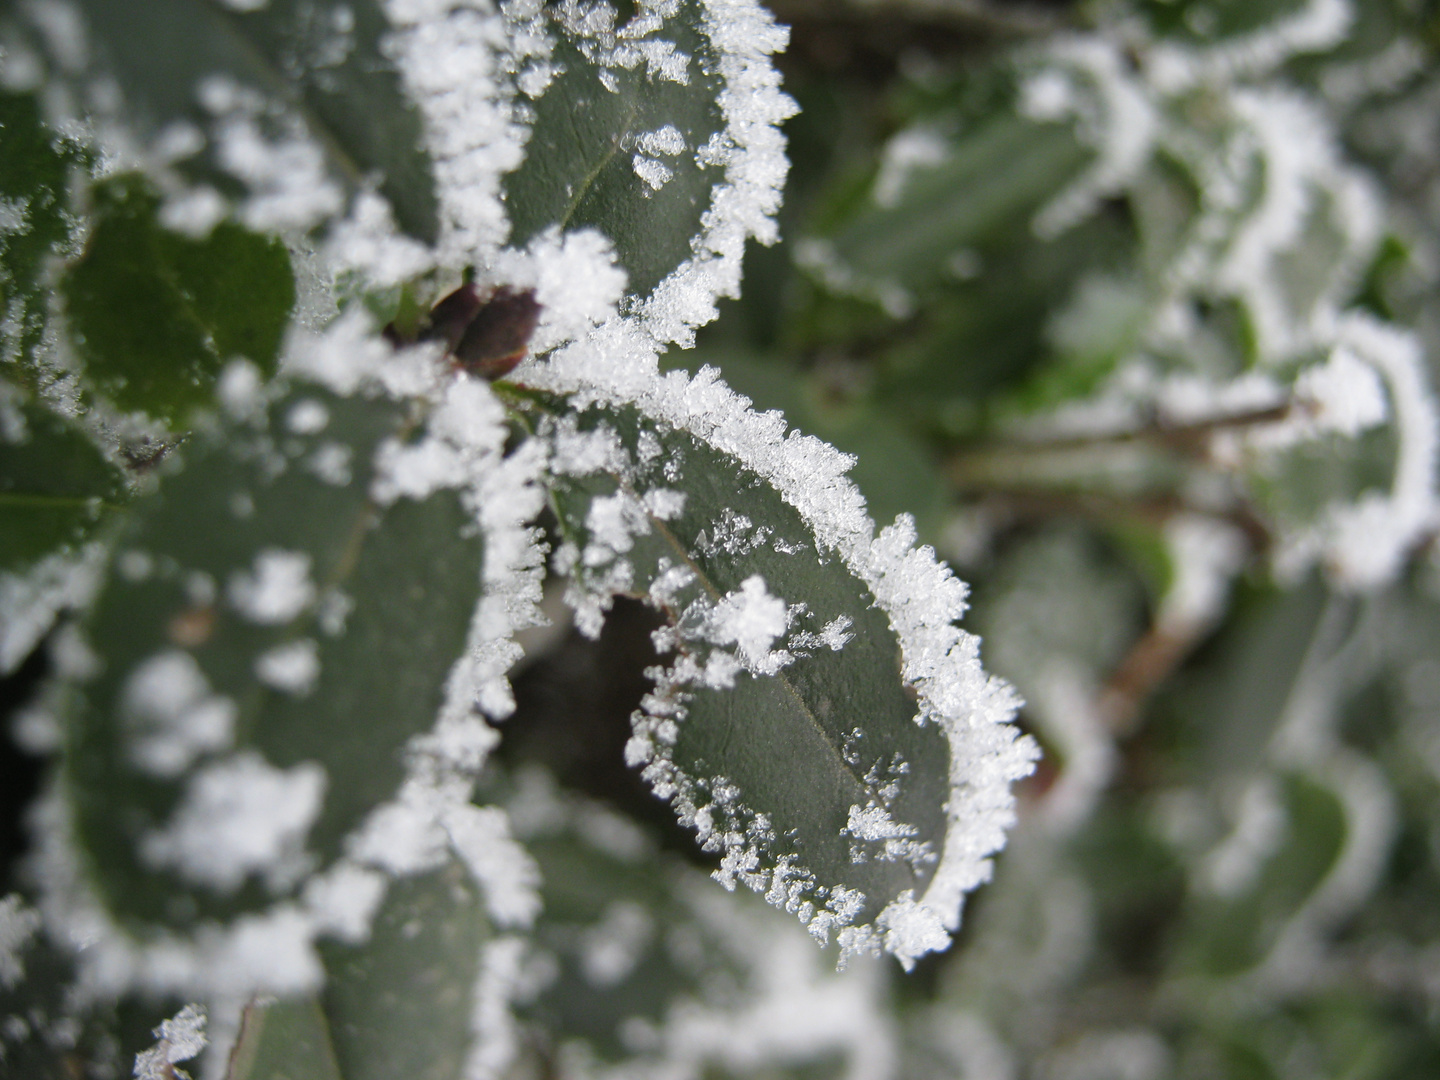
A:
(246, 729)
(816, 673)
(620, 134)
(661, 132)
(647, 966)
(155, 315)
(203, 83)
(57, 492)
(408, 1000)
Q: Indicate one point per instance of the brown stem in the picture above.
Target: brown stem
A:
(1189, 438)
(1150, 661)
(1149, 509)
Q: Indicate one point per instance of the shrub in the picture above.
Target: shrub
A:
(351, 360)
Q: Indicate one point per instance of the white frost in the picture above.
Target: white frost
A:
(292, 667)
(237, 817)
(181, 1037)
(276, 590)
(172, 715)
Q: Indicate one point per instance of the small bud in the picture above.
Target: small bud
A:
(499, 335)
(449, 318)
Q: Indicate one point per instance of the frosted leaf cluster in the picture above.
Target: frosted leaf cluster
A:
(1280, 177)
(1270, 177)
(231, 815)
(240, 817)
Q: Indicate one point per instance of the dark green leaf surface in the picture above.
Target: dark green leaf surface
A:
(825, 734)
(400, 1004)
(156, 315)
(403, 1004)
(394, 590)
(284, 1040)
(580, 167)
(325, 61)
(55, 488)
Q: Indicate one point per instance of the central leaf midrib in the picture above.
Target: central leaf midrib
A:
(779, 676)
(588, 180)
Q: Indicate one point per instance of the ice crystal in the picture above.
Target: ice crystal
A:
(173, 715)
(182, 1037)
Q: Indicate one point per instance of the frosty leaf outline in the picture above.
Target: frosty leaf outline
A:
(616, 366)
(428, 818)
(476, 134)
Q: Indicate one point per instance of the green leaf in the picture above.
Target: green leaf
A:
(771, 756)
(281, 1040)
(325, 63)
(156, 315)
(55, 486)
(404, 1003)
(35, 174)
(988, 182)
(589, 144)
(264, 583)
